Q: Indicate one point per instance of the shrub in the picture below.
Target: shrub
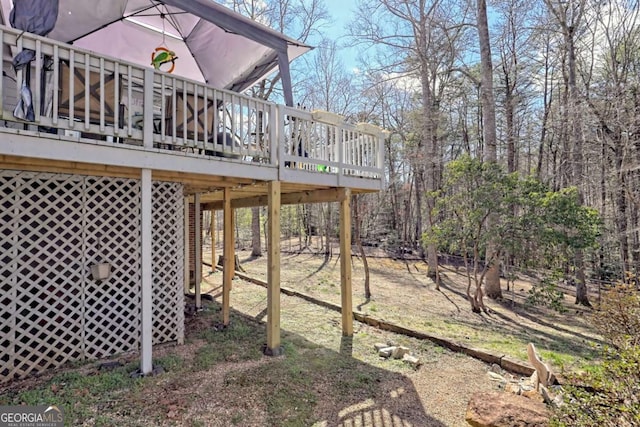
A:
(618, 317)
(609, 394)
(546, 294)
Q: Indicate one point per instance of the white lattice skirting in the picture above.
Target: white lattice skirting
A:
(53, 227)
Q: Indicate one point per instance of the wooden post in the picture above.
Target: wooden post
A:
(187, 274)
(233, 247)
(213, 240)
(273, 270)
(345, 263)
(227, 255)
(146, 288)
(197, 243)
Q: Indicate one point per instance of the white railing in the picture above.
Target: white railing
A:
(90, 95)
(84, 95)
(323, 142)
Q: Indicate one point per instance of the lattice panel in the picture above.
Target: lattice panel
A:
(168, 262)
(112, 234)
(52, 229)
(48, 300)
(8, 267)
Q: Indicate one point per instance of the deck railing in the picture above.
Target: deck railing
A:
(83, 95)
(320, 141)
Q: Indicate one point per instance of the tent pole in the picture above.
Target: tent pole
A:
(285, 75)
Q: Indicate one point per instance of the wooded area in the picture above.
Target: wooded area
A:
(539, 98)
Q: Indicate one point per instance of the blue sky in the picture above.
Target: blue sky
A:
(341, 12)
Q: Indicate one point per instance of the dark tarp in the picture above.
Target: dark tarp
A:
(34, 16)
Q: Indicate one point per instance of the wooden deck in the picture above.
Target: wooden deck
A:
(99, 115)
(98, 118)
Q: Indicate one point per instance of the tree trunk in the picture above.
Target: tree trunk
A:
(492, 277)
(428, 135)
(358, 240)
(581, 284)
(256, 247)
(578, 160)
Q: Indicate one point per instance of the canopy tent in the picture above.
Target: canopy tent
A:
(214, 45)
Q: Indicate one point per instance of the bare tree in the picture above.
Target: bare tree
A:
(492, 278)
(568, 15)
(357, 225)
(416, 40)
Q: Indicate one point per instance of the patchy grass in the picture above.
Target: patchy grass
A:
(221, 378)
(80, 395)
(402, 294)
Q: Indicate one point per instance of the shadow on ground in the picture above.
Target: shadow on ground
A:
(309, 385)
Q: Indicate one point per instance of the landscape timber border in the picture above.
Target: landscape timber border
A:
(505, 362)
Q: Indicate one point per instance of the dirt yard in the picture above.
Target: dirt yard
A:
(221, 378)
(402, 294)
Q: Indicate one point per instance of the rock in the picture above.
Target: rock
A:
(526, 386)
(412, 360)
(379, 346)
(495, 368)
(513, 388)
(497, 409)
(546, 396)
(496, 377)
(385, 352)
(399, 352)
(533, 395)
(534, 378)
(557, 395)
(554, 395)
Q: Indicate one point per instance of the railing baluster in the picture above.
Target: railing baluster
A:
(129, 100)
(19, 73)
(116, 99)
(72, 88)
(101, 71)
(56, 85)
(196, 118)
(174, 114)
(37, 98)
(214, 128)
(184, 114)
(241, 126)
(205, 106)
(87, 91)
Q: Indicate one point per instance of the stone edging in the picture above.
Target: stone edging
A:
(505, 362)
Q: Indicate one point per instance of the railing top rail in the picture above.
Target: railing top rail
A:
(332, 119)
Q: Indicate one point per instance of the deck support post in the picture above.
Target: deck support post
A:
(345, 262)
(213, 240)
(228, 260)
(233, 247)
(146, 288)
(187, 255)
(197, 243)
(273, 270)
